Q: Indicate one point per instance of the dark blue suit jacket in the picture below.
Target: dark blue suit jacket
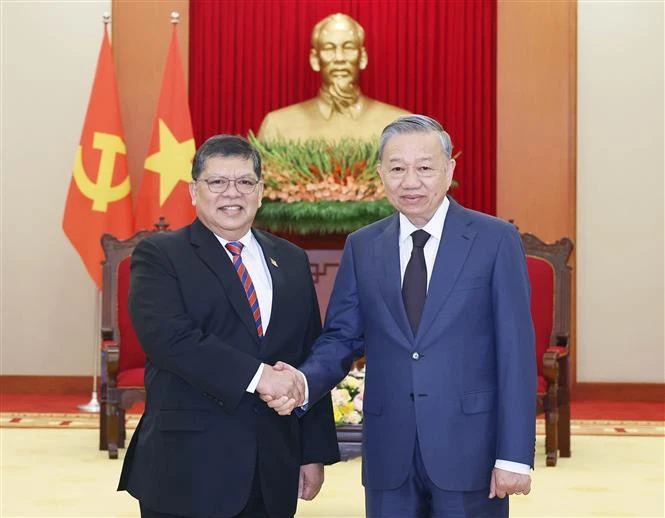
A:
(466, 384)
(195, 450)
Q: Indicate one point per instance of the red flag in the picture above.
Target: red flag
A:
(168, 168)
(99, 198)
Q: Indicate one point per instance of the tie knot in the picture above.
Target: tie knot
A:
(419, 238)
(235, 247)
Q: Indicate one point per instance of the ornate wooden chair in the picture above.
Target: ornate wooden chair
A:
(550, 309)
(122, 357)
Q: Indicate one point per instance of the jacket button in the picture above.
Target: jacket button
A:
(415, 356)
(220, 403)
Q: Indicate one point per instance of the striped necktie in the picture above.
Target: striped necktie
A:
(235, 247)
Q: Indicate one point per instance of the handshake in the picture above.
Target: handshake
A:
(282, 387)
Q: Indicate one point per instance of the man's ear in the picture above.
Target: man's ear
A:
(314, 60)
(362, 64)
(192, 192)
(451, 169)
(380, 172)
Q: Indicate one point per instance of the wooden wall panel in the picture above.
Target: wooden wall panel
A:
(536, 95)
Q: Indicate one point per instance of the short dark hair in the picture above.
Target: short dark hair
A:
(228, 146)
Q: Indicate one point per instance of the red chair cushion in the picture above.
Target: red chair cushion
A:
(131, 354)
(541, 275)
(558, 348)
(131, 378)
(542, 385)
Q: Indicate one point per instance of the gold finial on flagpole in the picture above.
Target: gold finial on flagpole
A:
(106, 18)
(175, 17)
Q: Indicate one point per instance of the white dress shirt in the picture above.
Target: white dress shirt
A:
(257, 268)
(434, 227)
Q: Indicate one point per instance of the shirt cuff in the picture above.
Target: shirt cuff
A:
(305, 403)
(251, 388)
(515, 467)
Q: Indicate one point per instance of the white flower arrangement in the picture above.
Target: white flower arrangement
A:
(347, 398)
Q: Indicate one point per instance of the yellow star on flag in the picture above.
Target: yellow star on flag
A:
(173, 161)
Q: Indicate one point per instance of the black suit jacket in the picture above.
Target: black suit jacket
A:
(195, 450)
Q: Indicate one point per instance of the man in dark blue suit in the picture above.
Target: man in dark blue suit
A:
(215, 305)
(436, 297)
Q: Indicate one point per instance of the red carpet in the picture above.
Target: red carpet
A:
(619, 410)
(67, 403)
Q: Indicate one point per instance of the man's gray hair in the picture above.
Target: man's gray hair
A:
(415, 124)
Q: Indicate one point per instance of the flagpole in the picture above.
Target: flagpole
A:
(93, 405)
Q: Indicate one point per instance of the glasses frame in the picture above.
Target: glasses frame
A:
(230, 181)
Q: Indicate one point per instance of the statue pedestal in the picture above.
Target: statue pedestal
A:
(349, 437)
(316, 241)
(325, 253)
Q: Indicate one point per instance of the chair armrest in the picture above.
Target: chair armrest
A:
(111, 355)
(558, 351)
(551, 365)
(554, 357)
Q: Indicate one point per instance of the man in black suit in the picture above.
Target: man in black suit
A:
(215, 305)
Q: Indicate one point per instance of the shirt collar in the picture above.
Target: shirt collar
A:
(248, 241)
(327, 106)
(434, 227)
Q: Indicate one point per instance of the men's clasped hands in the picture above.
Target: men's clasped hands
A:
(282, 387)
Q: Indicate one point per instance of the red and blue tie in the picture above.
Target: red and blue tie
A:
(235, 247)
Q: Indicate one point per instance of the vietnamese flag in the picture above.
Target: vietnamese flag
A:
(167, 171)
(99, 199)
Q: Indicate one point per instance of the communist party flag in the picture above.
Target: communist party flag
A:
(99, 199)
(167, 171)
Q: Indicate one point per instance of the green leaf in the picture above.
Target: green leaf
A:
(323, 217)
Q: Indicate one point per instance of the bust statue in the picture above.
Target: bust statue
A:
(340, 109)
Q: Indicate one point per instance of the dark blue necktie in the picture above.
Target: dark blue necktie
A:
(414, 287)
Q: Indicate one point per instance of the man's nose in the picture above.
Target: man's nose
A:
(232, 190)
(411, 177)
(339, 54)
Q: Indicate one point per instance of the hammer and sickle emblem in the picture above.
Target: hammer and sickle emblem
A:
(102, 192)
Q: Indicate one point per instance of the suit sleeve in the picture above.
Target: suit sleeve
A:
(342, 340)
(317, 426)
(170, 338)
(515, 351)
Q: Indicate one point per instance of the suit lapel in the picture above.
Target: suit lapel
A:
(211, 252)
(456, 242)
(387, 253)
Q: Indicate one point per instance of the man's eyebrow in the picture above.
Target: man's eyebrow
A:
(418, 159)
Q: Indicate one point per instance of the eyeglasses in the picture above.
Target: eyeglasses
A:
(399, 172)
(219, 184)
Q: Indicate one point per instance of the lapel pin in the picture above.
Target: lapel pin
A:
(274, 263)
